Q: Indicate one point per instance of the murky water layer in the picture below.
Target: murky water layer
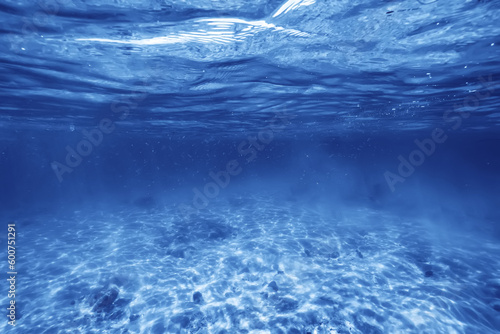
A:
(253, 265)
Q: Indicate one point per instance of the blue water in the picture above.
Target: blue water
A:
(300, 166)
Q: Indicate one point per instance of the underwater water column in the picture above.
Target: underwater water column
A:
(278, 167)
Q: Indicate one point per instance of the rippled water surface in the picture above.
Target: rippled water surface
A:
(299, 166)
(204, 65)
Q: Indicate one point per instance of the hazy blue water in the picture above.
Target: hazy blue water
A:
(251, 167)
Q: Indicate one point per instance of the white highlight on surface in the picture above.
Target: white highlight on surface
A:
(292, 5)
(215, 30)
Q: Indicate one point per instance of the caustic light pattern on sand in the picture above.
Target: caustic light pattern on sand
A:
(255, 265)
